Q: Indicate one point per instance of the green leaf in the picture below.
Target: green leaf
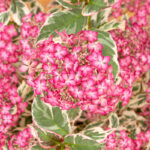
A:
(112, 1)
(67, 5)
(5, 17)
(133, 134)
(26, 0)
(50, 118)
(94, 124)
(97, 133)
(114, 120)
(72, 21)
(18, 10)
(76, 1)
(100, 18)
(93, 6)
(113, 24)
(109, 49)
(47, 139)
(53, 10)
(36, 7)
(81, 142)
(136, 88)
(38, 147)
(147, 76)
(138, 101)
(74, 113)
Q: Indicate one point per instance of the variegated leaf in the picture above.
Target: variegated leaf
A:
(68, 5)
(73, 114)
(144, 86)
(5, 17)
(81, 142)
(138, 101)
(113, 24)
(136, 87)
(18, 10)
(72, 21)
(50, 118)
(109, 49)
(113, 120)
(100, 18)
(47, 139)
(147, 77)
(36, 7)
(94, 124)
(25, 91)
(97, 133)
(111, 1)
(93, 7)
(38, 147)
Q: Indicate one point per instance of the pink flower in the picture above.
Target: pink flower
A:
(91, 35)
(7, 119)
(40, 86)
(60, 51)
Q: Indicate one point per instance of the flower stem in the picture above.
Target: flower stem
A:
(89, 22)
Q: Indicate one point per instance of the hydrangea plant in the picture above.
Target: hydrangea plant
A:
(75, 77)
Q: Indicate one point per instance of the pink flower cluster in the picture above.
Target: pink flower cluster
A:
(73, 73)
(21, 140)
(11, 104)
(29, 31)
(31, 25)
(134, 55)
(121, 141)
(4, 5)
(140, 8)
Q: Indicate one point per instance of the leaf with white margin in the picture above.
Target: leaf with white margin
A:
(112, 1)
(5, 17)
(72, 21)
(81, 142)
(95, 124)
(97, 133)
(100, 18)
(113, 24)
(136, 88)
(73, 114)
(93, 7)
(36, 7)
(47, 139)
(138, 101)
(18, 10)
(38, 147)
(67, 5)
(113, 120)
(147, 77)
(109, 49)
(50, 118)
